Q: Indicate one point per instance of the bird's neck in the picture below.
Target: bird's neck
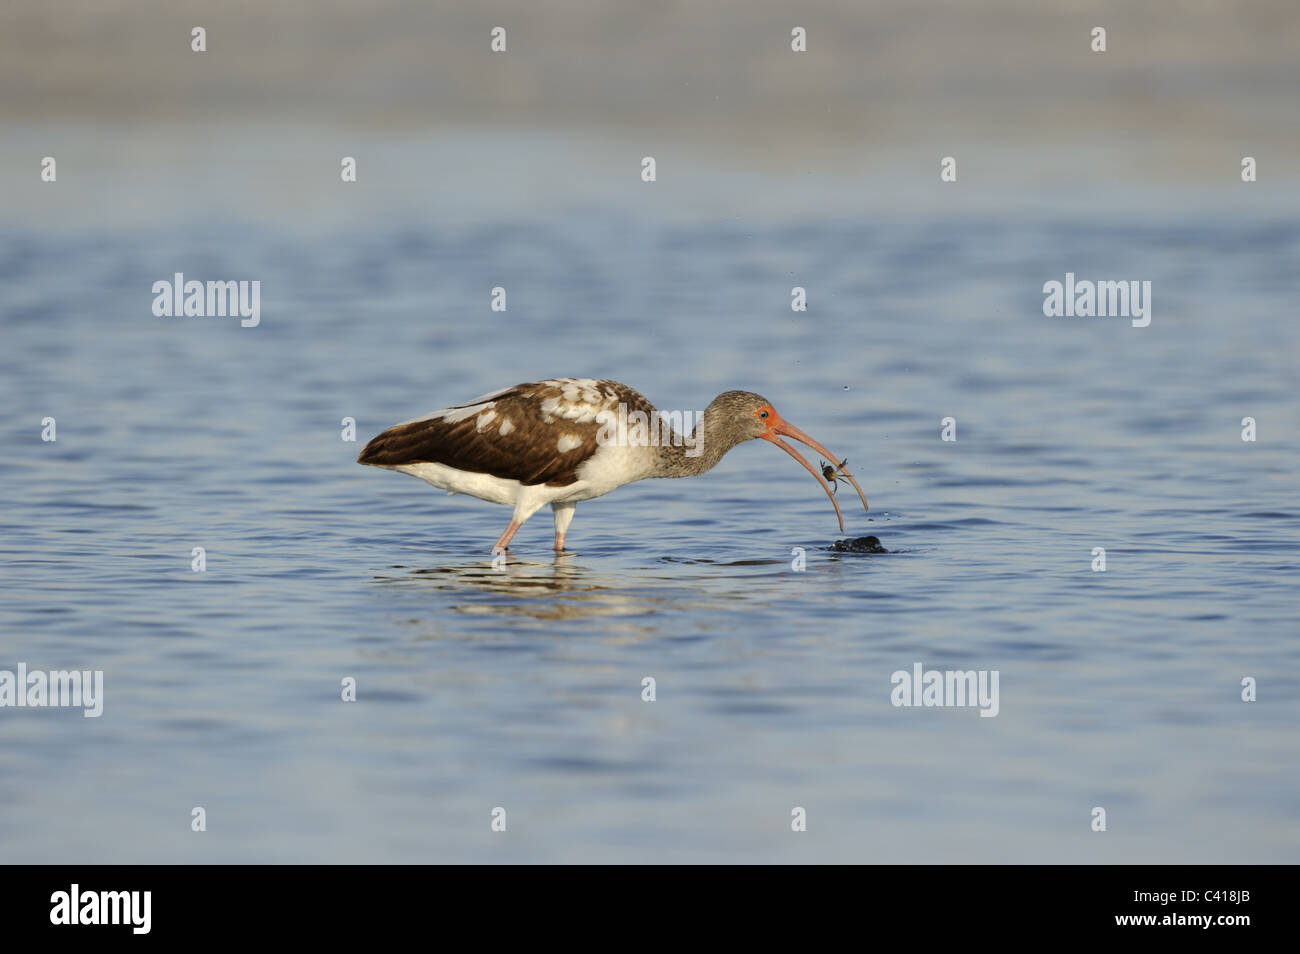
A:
(695, 454)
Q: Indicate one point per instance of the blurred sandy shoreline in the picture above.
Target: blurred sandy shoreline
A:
(1003, 67)
(737, 121)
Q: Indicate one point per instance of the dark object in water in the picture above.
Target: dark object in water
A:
(859, 545)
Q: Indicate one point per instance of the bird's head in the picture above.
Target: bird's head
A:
(743, 416)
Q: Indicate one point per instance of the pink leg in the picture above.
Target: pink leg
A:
(503, 541)
(563, 517)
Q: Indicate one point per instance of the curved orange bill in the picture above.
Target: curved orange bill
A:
(779, 426)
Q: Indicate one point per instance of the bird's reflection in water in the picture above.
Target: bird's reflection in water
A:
(556, 590)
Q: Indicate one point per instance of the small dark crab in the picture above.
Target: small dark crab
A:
(831, 472)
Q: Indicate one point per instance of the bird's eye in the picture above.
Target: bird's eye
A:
(762, 414)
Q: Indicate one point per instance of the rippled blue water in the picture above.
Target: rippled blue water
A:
(522, 689)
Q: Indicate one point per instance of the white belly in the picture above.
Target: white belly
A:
(608, 468)
(483, 486)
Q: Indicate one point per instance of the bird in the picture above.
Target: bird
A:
(561, 441)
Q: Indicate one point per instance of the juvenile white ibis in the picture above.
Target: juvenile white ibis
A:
(569, 439)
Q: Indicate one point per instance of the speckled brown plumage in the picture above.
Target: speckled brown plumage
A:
(528, 451)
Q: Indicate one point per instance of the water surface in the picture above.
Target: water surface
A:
(522, 689)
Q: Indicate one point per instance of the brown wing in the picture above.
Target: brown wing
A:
(515, 434)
